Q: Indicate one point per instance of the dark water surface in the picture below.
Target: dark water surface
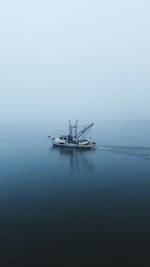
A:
(64, 207)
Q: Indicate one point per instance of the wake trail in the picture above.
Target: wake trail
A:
(138, 151)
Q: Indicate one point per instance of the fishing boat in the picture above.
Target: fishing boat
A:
(75, 138)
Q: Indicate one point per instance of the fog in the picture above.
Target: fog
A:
(82, 59)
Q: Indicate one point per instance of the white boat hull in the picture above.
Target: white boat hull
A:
(84, 146)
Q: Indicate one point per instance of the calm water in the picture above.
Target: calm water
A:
(64, 207)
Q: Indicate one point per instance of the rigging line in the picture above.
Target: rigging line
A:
(84, 130)
(85, 134)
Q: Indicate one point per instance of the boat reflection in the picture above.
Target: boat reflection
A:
(78, 158)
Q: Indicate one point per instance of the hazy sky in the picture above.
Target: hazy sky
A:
(75, 59)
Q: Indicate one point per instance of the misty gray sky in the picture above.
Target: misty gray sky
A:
(75, 59)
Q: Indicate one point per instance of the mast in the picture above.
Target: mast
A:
(76, 128)
(73, 130)
(70, 129)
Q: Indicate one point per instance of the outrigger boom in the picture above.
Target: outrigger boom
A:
(74, 138)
